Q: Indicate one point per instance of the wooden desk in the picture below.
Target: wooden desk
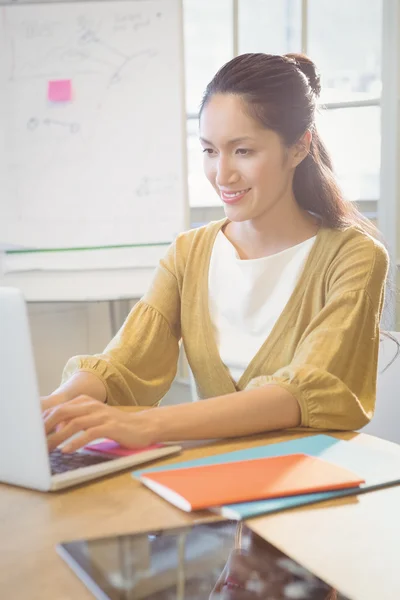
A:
(354, 544)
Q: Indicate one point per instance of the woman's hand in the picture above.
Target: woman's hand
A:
(52, 400)
(95, 420)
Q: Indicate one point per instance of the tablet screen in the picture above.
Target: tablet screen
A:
(221, 560)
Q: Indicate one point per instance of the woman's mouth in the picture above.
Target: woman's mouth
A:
(233, 197)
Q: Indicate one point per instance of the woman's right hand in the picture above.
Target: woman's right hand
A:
(52, 400)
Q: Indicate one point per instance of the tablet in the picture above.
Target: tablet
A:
(220, 560)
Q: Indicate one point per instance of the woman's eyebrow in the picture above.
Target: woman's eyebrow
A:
(229, 142)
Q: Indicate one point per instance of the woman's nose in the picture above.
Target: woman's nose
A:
(226, 174)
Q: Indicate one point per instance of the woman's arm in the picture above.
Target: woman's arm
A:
(265, 408)
(81, 383)
(241, 413)
(139, 364)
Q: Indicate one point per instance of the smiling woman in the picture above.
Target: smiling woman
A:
(278, 305)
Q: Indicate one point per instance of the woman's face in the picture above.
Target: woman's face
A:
(249, 167)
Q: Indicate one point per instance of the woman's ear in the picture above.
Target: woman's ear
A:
(301, 148)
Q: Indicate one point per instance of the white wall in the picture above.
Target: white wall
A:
(61, 330)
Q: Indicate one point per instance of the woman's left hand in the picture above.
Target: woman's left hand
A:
(95, 420)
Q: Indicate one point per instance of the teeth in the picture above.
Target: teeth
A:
(235, 194)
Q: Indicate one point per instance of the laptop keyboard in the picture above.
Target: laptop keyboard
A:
(61, 463)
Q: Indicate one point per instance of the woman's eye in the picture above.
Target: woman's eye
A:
(243, 151)
(208, 150)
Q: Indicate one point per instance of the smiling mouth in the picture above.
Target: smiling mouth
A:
(232, 197)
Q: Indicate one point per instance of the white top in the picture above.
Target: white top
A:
(246, 298)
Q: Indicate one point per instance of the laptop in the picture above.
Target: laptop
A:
(24, 457)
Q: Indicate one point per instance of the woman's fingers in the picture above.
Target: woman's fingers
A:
(66, 412)
(86, 437)
(88, 415)
(72, 427)
(60, 426)
(47, 402)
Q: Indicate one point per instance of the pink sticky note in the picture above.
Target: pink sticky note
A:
(111, 447)
(59, 90)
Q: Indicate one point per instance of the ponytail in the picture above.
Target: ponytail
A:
(316, 190)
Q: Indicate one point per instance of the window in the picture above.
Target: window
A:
(344, 40)
(208, 45)
(269, 26)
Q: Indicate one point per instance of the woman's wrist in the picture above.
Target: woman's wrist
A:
(148, 422)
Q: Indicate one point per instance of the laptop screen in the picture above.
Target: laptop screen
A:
(221, 560)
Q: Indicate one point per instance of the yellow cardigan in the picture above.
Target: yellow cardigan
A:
(323, 348)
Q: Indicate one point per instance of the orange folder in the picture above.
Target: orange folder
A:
(202, 487)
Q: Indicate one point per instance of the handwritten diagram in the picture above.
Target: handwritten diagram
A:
(34, 123)
(83, 51)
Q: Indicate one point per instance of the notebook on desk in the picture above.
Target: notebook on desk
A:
(25, 460)
(209, 486)
(378, 468)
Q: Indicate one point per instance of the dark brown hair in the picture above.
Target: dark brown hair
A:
(281, 93)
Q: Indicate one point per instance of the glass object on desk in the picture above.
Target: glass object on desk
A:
(269, 26)
(344, 40)
(353, 138)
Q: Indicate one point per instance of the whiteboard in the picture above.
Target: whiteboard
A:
(107, 166)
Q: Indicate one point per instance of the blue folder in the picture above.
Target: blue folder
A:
(379, 469)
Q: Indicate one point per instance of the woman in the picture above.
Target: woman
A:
(278, 305)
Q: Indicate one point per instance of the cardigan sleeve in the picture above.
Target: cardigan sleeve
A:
(139, 364)
(334, 368)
